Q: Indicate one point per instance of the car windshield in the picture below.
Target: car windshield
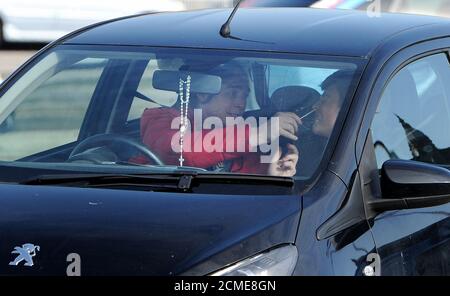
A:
(152, 109)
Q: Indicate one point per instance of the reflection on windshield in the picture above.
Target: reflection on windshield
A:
(232, 113)
(421, 146)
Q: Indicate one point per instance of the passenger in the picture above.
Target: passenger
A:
(157, 134)
(335, 88)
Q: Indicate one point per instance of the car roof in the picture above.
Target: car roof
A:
(295, 30)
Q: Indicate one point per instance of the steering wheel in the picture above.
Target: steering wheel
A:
(113, 141)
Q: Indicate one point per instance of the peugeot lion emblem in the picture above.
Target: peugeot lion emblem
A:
(25, 252)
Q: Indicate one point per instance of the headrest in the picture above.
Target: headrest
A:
(289, 98)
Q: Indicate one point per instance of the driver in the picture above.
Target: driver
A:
(157, 134)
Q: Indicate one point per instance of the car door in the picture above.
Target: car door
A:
(412, 122)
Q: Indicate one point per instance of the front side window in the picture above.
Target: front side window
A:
(214, 111)
(413, 117)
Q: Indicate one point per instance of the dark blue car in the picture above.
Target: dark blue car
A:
(290, 142)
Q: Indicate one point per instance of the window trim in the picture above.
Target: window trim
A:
(367, 162)
(405, 66)
(383, 76)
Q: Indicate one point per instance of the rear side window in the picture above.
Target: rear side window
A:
(413, 118)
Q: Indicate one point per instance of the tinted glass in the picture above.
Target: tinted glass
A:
(51, 112)
(413, 118)
(225, 112)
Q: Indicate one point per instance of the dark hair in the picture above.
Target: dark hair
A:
(342, 79)
(224, 71)
(227, 70)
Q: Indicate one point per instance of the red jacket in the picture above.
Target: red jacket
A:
(157, 134)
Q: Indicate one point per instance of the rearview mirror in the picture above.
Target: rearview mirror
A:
(407, 184)
(200, 83)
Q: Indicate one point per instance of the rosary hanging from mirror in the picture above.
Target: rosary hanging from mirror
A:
(184, 105)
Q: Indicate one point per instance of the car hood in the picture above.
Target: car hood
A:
(120, 232)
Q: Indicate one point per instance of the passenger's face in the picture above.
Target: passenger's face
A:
(231, 100)
(327, 111)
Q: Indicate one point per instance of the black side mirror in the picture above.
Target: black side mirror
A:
(407, 184)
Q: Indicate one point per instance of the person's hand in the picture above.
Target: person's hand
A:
(286, 165)
(289, 123)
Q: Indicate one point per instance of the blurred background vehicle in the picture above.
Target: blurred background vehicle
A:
(202, 4)
(25, 22)
(428, 7)
(277, 3)
(47, 20)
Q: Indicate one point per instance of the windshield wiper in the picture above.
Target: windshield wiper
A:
(177, 182)
(182, 181)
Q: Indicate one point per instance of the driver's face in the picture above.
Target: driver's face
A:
(231, 101)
